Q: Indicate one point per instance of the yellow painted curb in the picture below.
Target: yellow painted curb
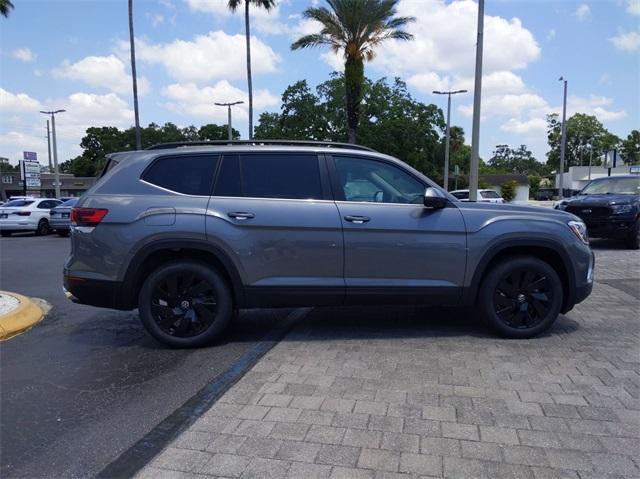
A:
(20, 319)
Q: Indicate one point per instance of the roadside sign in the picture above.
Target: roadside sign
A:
(30, 173)
(30, 155)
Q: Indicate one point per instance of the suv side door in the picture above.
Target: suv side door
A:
(394, 246)
(272, 213)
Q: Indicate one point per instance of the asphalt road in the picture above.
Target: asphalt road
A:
(85, 384)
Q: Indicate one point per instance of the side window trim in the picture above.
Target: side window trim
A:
(338, 192)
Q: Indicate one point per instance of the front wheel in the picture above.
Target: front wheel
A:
(521, 297)
(633, 240)
(184, 304)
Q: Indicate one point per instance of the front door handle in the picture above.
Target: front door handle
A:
(240, 215)
(357, 219)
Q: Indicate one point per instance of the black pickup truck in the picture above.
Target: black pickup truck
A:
(610, 207)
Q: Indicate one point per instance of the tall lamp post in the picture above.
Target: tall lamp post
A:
(477, 95)
(445, 181)
(563, 139)
(229, 105)
(56, 174)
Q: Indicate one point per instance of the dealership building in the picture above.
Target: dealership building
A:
(12, 185)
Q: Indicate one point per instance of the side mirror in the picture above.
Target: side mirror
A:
(433, 200)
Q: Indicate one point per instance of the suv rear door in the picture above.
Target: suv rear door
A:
(272, 213)
(394, 246)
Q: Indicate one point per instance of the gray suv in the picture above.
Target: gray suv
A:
(188, 234)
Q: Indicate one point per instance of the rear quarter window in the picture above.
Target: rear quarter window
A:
(189, 175)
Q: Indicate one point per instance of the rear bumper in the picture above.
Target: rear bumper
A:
(93, 292)
(59, 224)
(17, 226)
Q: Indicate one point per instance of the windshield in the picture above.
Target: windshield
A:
(18, 203)
(613, 186)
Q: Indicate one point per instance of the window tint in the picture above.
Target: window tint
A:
(489, 194)
(461, 195)
(48, 204)
(18, 203)
(71, 202)
(377, 182)
(190, 175)
(229, 182)
(294, 176)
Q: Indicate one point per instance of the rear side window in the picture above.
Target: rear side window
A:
(17, 203)
(290, 176)
(189, 175)
(111, 164)
(461, 195)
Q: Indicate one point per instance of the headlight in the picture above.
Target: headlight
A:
(621, 209)
(580, 230)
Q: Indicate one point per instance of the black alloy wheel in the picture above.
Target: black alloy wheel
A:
(185, 304)
(43, 228)
(521, 296)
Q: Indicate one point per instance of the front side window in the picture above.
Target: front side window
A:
(376, 182)
(189, 175)
(461, 195)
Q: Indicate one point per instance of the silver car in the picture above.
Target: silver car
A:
(60, 217)
(190, 233)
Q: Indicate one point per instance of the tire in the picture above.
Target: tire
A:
(194, 314)
(43, 228)
(633, 240)
(521, 297)
(5, 234)
(63, 233)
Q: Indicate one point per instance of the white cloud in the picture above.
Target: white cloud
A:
(445, 38)
(23, 54)
(605, 79)
(551, 35)
(102, 72)
(593, 105)
(18, 102)
(266, 21)
(582, 12)
(626, 41)
(189, 99)
(156, 19)
(633, 7)
(525, 127)
(211, 56)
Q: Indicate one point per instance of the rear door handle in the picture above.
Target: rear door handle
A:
(240, 215)
(357, 219)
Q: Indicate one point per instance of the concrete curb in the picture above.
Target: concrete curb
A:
(21, 319)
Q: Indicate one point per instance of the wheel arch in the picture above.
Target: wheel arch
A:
(152, 256)
(548, 251)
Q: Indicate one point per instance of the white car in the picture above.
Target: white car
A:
(484, 196)
(28, 214)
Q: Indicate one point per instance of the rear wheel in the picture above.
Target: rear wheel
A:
(184, 304)
(521, 297)
(633, 240)
(43, 228)
(62, 232)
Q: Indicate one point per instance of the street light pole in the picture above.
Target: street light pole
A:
(229, 105)
(477, 94)
(563, 139)
(49, 147)
(445, 181)
(56, 174)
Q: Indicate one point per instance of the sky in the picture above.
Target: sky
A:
(74, 55)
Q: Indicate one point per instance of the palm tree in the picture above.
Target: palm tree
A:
(355, 28)
(5, 7)
(134, 77)
(233, 6)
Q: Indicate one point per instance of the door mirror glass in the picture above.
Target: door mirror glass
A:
(433, 200)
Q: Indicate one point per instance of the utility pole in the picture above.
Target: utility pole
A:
(229, 105)
(49, 147)
(477, 95)
(590, 158)
(563, 139)
(134, 77)
(445, 181)
(56, 174)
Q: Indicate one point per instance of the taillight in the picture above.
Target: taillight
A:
(23, 213)
(87, 216)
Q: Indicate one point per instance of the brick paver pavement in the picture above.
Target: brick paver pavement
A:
(413, 392)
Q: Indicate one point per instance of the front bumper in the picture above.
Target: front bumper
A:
(610, 228)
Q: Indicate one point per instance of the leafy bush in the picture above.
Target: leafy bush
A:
(508, 190)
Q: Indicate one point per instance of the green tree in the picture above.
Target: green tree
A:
(585, 136)
(5, 7)
(354, 28)
(520, 161)
(630, 148)
(212, 132)
(508, 190)
(233, 6)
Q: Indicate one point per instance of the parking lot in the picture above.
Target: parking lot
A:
(357, 392)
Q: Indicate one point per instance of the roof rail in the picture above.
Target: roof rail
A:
(328, 144)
